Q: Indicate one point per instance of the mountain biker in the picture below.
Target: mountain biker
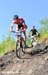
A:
(34, 34)
(20, 23)
(34, 31)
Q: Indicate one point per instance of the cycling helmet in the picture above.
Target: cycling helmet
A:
(15, 17)
(33, 26)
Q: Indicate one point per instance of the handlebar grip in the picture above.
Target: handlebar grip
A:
(13, 31)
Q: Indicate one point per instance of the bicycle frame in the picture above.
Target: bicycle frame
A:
(19, 38)
(19, 44)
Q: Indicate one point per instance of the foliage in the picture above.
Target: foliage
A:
(44, 29)
(7, 44)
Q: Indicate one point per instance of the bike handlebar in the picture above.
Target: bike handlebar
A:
(17, 31)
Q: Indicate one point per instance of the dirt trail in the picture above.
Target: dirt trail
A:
(35, 63)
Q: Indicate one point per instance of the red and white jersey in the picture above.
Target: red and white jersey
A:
(18, 21)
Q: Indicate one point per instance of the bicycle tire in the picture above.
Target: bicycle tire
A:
(23, 50)
(23, 47)
(17, 51)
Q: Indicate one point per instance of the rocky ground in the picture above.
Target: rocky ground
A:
(31, 63)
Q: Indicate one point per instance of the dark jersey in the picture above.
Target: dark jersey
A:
(34, 31)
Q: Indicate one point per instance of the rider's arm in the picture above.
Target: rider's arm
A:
(23, 22)
(30, 31)
(24, 25)
(11, 26)
(37, 33)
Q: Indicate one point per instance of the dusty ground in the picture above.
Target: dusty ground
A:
(35, 63)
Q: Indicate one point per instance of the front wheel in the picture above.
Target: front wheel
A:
(23, 47)
(17, 50)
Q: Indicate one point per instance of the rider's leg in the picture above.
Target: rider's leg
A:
(24, 37)
(20, 42)
(32, 39)
(35, 38)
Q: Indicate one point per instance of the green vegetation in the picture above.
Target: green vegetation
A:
(28, 41)
(44, 29)
(7, 45)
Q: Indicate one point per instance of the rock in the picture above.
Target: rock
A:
(46, 58)
(29, 64)
(2, 64)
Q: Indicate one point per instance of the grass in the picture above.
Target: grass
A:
(28, 41)
(7, 45)
(43, 36)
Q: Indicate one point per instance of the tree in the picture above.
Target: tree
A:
(44, 27)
